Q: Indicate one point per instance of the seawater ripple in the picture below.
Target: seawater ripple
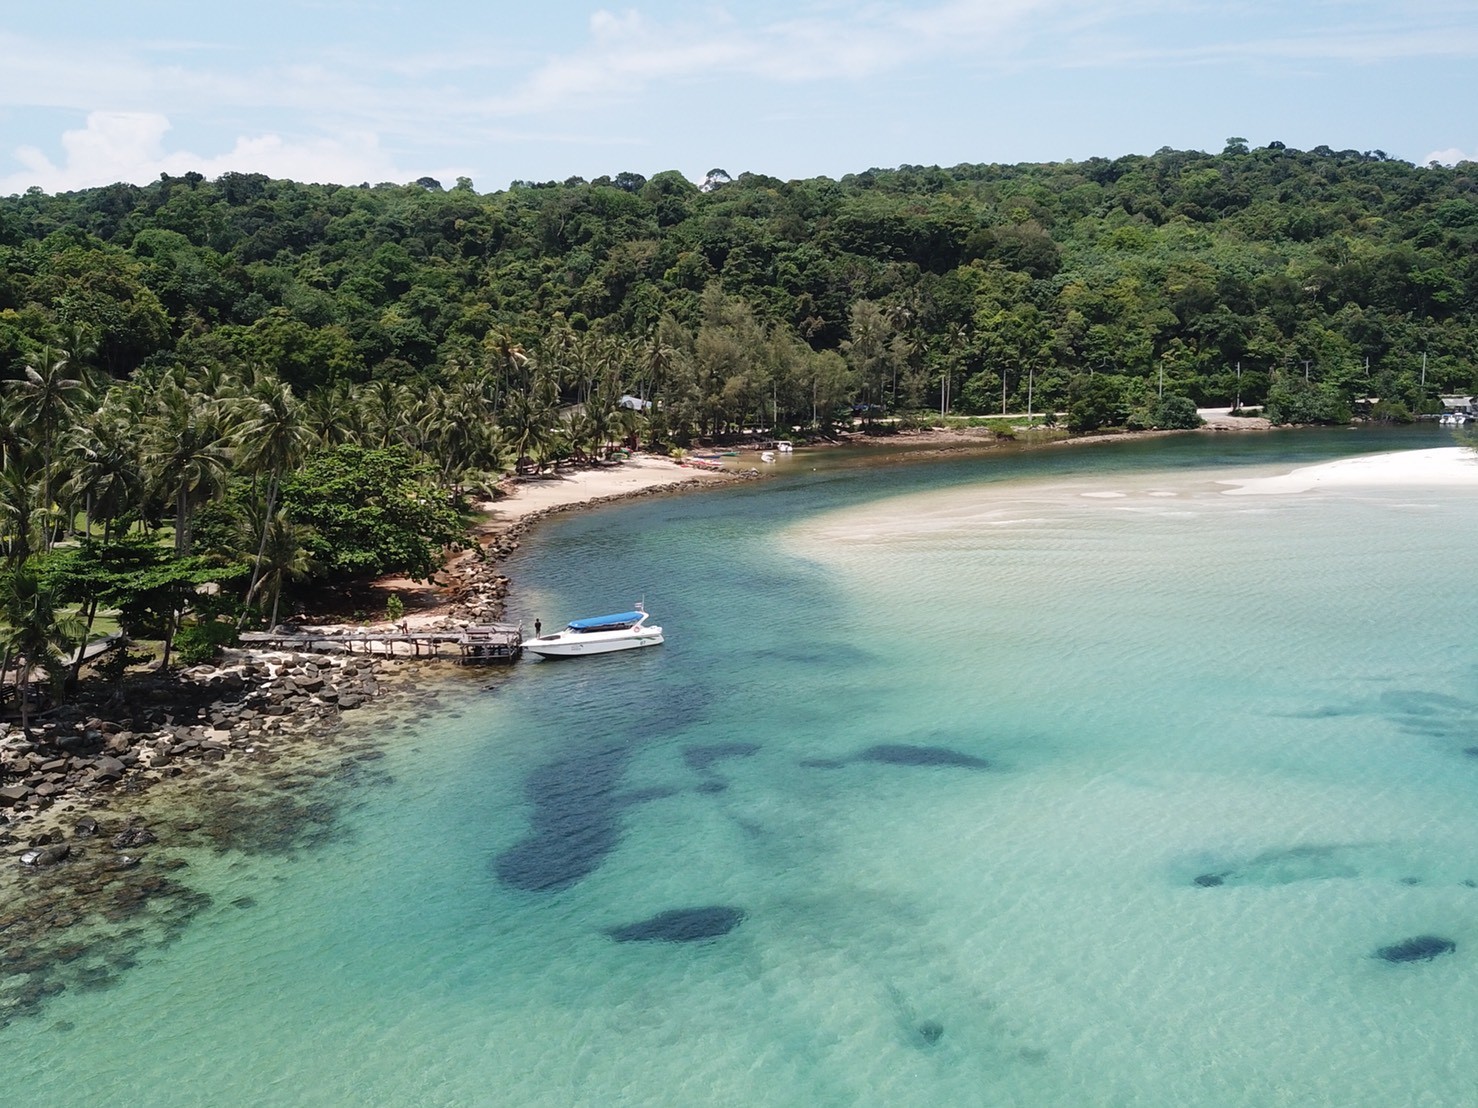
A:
(1157, 694)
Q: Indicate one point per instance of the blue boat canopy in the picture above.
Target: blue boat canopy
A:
(606, 623)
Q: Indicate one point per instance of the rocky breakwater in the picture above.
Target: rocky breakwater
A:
(205, 715)
(102, 802)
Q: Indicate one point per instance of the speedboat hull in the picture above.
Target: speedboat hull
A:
(567, 644)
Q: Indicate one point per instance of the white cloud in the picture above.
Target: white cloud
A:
(1451, 156)
(129, 146)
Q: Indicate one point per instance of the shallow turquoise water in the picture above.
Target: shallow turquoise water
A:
(1122, 680)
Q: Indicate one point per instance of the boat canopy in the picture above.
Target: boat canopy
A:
(606, 623)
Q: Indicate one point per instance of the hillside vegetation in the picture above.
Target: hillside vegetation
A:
(259, 384)
(1108, 283)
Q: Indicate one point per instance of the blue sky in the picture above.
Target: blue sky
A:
(391, 90)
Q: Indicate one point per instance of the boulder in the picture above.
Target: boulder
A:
(133, 836)
(46, 855)
(107, 768)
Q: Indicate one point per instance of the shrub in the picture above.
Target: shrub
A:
(198, 643)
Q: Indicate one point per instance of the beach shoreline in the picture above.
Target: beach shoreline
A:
(191, 775)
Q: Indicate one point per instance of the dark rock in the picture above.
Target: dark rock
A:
(87, 826)
(680, 925)
(1423, 948)
(46, 855)
(107, 768)
(88, 743)
(133, 836)
(931, 1031)
(13, 794)
(1210, 880)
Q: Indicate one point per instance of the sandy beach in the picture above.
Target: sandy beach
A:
(1440, 467)
(525, 500)
(639, 473)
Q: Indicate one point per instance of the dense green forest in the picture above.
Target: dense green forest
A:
(729, 303)
(179, 357)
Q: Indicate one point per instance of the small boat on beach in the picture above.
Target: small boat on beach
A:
(598, 635)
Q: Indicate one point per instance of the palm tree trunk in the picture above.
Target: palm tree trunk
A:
(256, 569)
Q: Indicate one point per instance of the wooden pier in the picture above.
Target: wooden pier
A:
(480, 644)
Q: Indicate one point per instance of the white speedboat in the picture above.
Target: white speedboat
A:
(597, 635)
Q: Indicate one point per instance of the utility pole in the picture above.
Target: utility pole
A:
(1306, 370)
(1238, 405)
(1030, 377)
(1424, 369)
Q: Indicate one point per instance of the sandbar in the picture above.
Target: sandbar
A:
(1439, 467)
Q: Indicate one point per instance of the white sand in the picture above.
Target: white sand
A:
(636, 474)
(1441, 467)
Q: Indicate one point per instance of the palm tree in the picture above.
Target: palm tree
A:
(335, 415)
(527, 421)
(34, 634)
(19, 488)
(384, 404)
(106, 467)
(281, 558)
(271, 439)
(189, 452)
(45, 401)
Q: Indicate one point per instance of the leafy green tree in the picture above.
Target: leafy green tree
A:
(1292, 400)
(150, 586)
(371, 512)
(1094, 402)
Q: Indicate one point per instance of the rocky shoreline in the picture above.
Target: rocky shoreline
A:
(102, 803)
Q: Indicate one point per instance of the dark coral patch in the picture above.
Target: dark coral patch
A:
(702, 758)
(931, 1031)
(902, 754)
(1423, 948)
(822, 763)
(680, 925)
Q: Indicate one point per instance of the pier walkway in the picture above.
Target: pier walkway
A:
(480, 644)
